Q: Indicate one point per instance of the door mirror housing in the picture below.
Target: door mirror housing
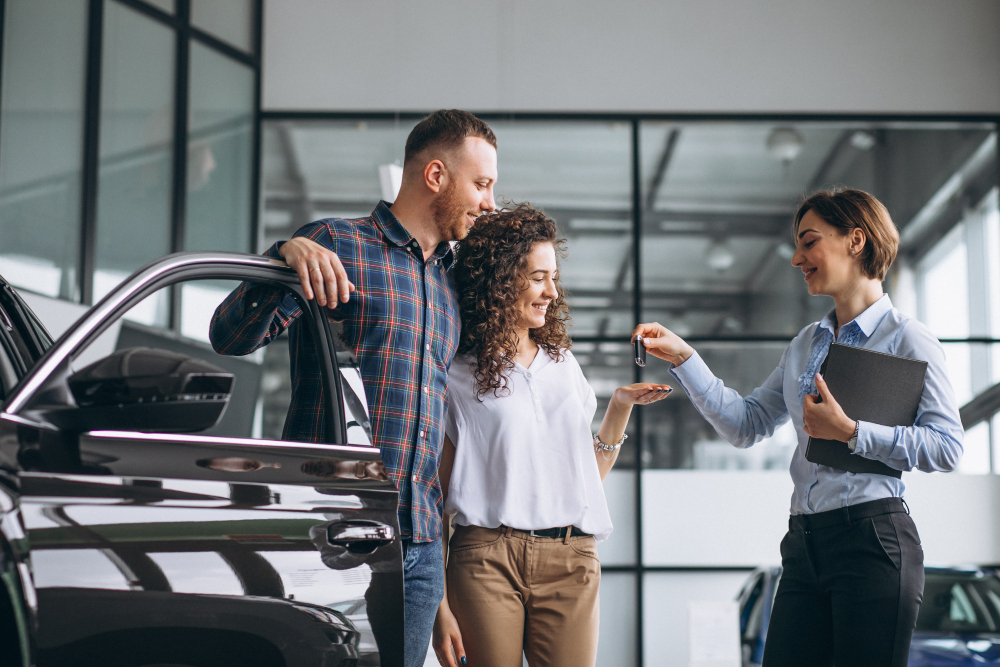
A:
(149, 390)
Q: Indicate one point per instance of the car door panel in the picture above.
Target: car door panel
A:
(199, 549)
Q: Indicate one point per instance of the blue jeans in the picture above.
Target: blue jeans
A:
(423, 588)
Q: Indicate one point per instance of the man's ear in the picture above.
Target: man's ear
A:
(435, 174)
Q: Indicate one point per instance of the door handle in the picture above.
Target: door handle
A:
(360, 537)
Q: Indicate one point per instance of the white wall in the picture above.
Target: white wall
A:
(737, 518)
(633, 55)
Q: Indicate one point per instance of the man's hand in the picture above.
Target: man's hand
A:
(825, 420)
(320, 271)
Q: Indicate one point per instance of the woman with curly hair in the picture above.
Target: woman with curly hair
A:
(521, 472)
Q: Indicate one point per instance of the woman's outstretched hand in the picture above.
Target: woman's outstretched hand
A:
(447, 638)
(822, 416)
(663, 343)
(641, 393)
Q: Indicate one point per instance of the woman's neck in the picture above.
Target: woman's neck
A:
(526, 348)
(852, 303)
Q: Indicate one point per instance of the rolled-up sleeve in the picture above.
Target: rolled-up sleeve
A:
(934, 442)
(740, 421)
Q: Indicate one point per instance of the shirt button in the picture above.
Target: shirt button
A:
(425, 389)
(253, 305)
(421, 434)
(428, 347)
(414, 478)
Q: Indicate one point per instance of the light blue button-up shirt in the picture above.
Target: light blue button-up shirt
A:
(934, 442)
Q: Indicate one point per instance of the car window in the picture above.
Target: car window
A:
(753, 609)
(960, 603)
(26, 336)
(18, 351)
(261, 392)
(8, 373)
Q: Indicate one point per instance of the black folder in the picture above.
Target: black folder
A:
(872, 387)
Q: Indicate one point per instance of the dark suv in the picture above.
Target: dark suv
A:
(150, 511)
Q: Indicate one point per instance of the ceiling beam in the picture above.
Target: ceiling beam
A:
(299, 205)
(661, 168)
(836, 160)
(657, 300)
(695, 223)
(981, 408)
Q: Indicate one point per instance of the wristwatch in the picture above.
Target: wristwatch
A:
(853, 442)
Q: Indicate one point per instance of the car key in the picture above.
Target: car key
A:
(640, 351)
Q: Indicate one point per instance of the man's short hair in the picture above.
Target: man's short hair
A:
(446, 129)
(847, 209)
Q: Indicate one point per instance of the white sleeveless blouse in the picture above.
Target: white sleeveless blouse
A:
(525, 459)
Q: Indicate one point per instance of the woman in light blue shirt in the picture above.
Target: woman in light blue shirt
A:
(852, 563)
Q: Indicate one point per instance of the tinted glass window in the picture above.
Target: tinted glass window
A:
(261, 391)
(136, 173)
(964, 604)
(41, 146)
(220, 153)
(752, 610)
(24, 337)
(229, 20)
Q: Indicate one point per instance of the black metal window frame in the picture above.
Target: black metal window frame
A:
(639, 569)
(185, 33)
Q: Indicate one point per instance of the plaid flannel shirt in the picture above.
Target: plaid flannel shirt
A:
(403, 324)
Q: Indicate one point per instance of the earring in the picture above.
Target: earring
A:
(854, 252)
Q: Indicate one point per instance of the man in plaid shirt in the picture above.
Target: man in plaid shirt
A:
(403, 324)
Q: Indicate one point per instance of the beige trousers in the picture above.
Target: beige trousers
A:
(512, 592)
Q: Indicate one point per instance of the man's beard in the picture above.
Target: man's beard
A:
(449, 214)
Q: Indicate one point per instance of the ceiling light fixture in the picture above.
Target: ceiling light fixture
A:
(863, 141)
(599, 225)
(785, 143)
(718, 256)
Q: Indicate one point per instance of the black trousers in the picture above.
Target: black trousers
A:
(851, 585)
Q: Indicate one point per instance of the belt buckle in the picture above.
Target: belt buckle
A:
(532, 533)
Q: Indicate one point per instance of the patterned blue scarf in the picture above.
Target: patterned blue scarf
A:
(807, 381)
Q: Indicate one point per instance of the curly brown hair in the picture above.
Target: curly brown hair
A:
(489, 272)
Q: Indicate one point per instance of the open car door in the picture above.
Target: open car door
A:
(163, 519)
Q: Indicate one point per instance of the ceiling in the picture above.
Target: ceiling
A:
(701, 183)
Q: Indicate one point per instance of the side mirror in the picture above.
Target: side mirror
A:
(147, 389)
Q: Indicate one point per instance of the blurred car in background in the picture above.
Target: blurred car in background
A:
(958, 623)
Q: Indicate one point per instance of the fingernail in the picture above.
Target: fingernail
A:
(463, 659)
(819, 375)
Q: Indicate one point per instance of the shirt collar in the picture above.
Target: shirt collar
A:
(867, 321)
(396, 233)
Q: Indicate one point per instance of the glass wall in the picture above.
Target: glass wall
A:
(220, 153)
(712, 205)
(136, 138)
(127, 132)
(41, 144)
